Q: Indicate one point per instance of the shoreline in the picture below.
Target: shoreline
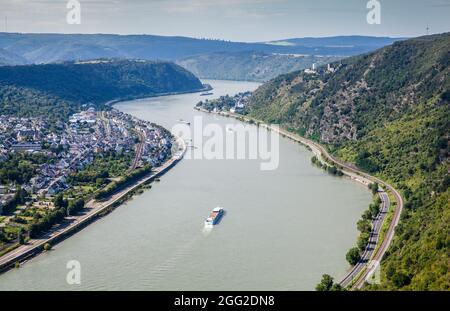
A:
(93, 211)
(357, 274)
(70, 226)
(111, 103)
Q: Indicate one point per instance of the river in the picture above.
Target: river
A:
(283, 228)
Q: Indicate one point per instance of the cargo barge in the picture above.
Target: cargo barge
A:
(214, 217)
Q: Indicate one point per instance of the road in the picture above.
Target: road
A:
(93, 209)
(377, 224)
(372, 254)
(356, 277)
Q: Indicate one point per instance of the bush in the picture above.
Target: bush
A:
(327, 284)
(353, 256)
(75, 206)
(363, 240)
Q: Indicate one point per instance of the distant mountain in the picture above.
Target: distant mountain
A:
(348, 45)
(216, 59)
(388, 112)
(8, 58)
(248, 65)
(47, 48)
(59, 89)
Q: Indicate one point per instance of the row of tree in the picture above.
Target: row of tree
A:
(127, 179)
(330, 169)
(63, 208)
(364, 226)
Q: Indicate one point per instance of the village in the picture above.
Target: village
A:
(55, 152)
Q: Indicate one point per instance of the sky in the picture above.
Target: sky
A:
(236, 20)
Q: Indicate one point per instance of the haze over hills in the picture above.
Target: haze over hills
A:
(59, 89)
(46, 48)
(49, 48)
(388, 112)
(356, 44)
(249, 65)
(9, 58)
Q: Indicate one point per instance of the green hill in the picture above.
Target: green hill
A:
(389, 113)
(8, 58)
(249, 65)
(61, 88)
(48, 48)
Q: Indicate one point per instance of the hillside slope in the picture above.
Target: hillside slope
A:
(248, 65)
(60, 88)
(8, 58)
(388, 112)
(47, 48)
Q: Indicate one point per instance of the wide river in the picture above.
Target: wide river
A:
(283, 228)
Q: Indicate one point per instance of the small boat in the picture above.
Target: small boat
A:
(214, 217)
(206, 93)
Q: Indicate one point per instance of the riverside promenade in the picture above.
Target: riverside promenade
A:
(93, 210)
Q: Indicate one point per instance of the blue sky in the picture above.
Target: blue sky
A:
(237, 20)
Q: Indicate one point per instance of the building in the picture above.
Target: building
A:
(330, 69)
(311, 70)
(24, 147)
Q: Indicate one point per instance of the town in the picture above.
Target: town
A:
(233, 104)
(40, 161)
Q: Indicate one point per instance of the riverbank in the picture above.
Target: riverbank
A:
(93, 211)
(206, 87)
(356, 276)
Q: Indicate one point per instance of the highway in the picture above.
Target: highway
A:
(355, 277)
(377, 224)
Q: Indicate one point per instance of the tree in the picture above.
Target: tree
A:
(363, 240)
(21, 236)
(374, 187)
(327, 284)
(364, 226)
(59, 201)
(353, 256)
(332, 170)
(374, 209)
(75, 206)
(400, 279)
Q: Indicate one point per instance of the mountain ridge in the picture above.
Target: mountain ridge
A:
(389, 112)
(62, 88)
(47, 48)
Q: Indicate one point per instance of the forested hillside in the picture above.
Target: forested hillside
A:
(248, 65)
(388, 112)
(60, 88)
(48, 48)
(9, 58)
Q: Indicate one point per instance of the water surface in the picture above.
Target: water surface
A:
(283, 229)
